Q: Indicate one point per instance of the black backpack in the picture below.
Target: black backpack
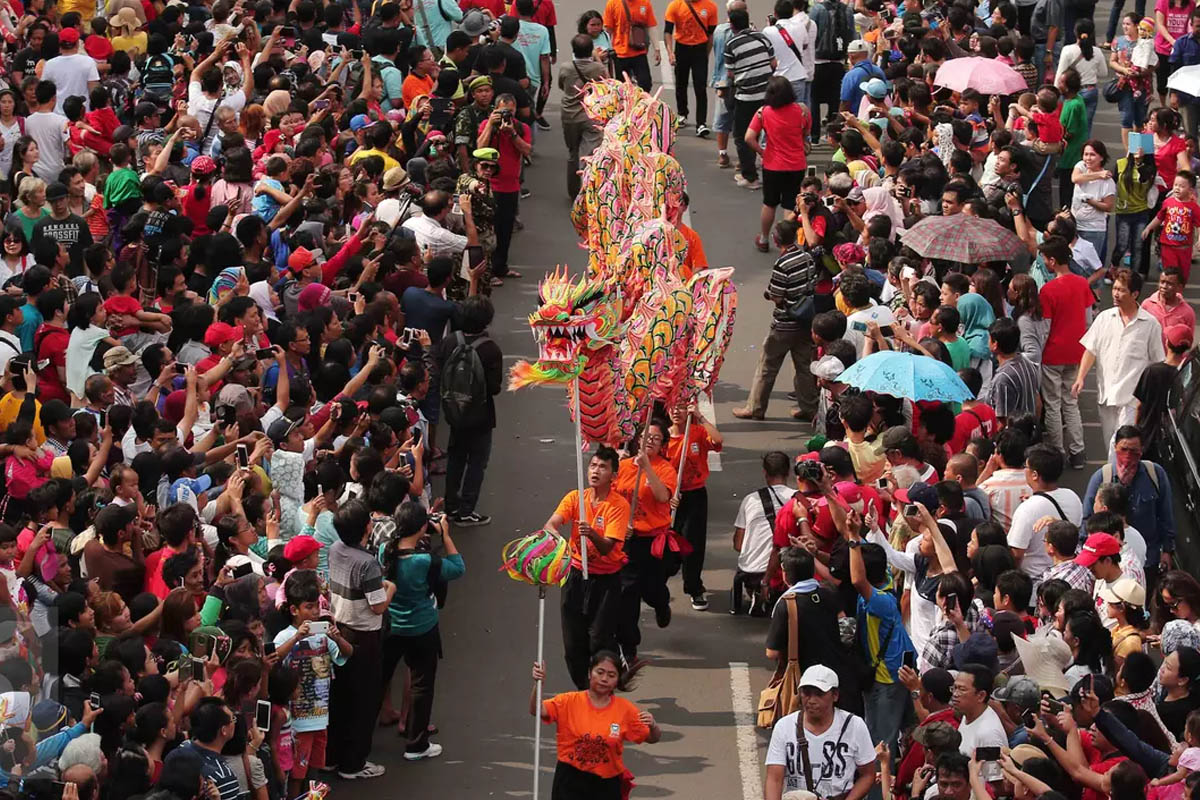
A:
(158, 77)
(835, 36)
(464, 387)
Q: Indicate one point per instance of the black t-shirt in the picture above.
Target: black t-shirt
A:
(502, 84)
(72, 233)
(25, 61)
(1152, 390)
(817, 614)
(1174, 713)
(514, 66)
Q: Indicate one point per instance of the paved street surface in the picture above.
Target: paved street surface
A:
(706, 668)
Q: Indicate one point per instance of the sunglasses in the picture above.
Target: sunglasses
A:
(1172, 604)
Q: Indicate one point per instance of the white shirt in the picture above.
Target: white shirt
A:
(985, 731)
(1090, 72)
(202, 107)
(1022, 534)
(835, 755)
(881, 315)
(1135, 545)
(49, 130)
(759, 527)
(71, 75)
(1088, 217)
(80, 349)
(1085, 255)
(1122, 352)
(429, 233)
(804, 35)
(10, 137)
(10, 346)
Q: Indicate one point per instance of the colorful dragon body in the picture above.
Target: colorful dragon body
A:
(632, 331)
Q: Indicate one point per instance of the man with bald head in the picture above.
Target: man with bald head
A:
(86, 783)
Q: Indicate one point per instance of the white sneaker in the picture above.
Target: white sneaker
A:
(369, 770)
(433, 751)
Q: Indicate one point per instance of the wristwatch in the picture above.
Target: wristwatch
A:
(854, 543)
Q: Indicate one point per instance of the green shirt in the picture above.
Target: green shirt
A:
(1074, 121)
(122, 185)
(960, 353)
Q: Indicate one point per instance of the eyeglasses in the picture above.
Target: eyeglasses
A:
(1171, 604)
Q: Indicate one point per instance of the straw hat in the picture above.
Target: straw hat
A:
(1045, 659)
(125, 19)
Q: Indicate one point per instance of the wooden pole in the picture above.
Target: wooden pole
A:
(537, 717)
(583, 550)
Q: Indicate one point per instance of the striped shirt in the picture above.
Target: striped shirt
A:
(1006, 489)
(1076, 576)
(748, 55)
(1014, 388)
(355, 584)
(793, 277)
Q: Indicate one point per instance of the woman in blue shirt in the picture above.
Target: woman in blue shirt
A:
(413, 616)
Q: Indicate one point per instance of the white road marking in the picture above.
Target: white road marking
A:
(747, 739)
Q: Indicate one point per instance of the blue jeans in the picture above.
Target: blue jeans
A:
(1129, 239)
(1039, 57)
(1114, 16)
(803, 92)
(1134, 110)
(1098, 239)
(1091, 97)
(886, 705)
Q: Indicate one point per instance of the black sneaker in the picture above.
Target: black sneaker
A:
(542, 124)
(472, 520)
(1078, 460)
(662, 615)
(700, 602)
(525, 193)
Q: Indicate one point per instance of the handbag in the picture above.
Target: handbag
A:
(782, 695)
(1113, 90)
(639, 35)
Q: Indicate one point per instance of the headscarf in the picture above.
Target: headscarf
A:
(242, 594)
(977, 316)
(277, 102)
(270, 139)
(225, 282)
(881, 203)
(260, 293)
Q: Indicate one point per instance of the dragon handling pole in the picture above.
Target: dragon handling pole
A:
(537, 718)
(583, 550)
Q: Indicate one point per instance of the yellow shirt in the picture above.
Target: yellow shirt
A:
(10, 406)
(130, 44)
(388, 161)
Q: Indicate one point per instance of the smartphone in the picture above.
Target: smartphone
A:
(198, 669)
(881, 483)
(909, 659)
(199, 645)
(812, 172)
(262, 715)
(180, 369)
(287, 32)
(318, 626)
(185, 669)
(352, 297)
(1052, 704)
(416, 437)
(987, 753)
(886, 330)
(18, 368)
(103, 418)
(861, 327)
(911, 510)
(321, 104)
(268, 648)
(356, 55)
(94, 699)
(242, 571)
(1029, 720)
(951, 602)
(1087, 683)
(243, 455)
(771, 19)
(264, 353)
(227, 415)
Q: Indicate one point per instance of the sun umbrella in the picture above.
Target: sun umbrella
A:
(917, 377)
(984, 75)
(1186, 80)
(962, 238)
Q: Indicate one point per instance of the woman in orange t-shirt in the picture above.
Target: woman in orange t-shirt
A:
(593, 726)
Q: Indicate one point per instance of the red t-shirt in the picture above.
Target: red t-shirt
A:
(196, 209)
(51, 345)
(1166, 158)
(1065, 301)
(124, 305)
(1179, 221)
(509, 178)
(981, 418)
(787, 130)
(543, 12)
(494, 6)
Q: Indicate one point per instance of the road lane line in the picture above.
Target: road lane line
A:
(747, 738)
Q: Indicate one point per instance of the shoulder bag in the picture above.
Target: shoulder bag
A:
(782, 695)
(704, 28)
(639, 36)
(1054, 503)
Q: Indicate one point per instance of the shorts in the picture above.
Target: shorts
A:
(1134, 110)
(780, 187)
(1178, 257)
(308, 752)
(723, 114)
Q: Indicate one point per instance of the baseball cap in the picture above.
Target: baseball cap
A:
(188, 490)
(937, 736)
(979, 648)
(358, 122)
(1123, 590)
(68, 36)
(820, 677)
(143, 110)
(299, 548)
(312, 296)
(203, 165)
(1023, 752)
(1179, 335)
(220, 332)
(474, 23)
(301, 258)
(55, 411)
(56, 191)
(858, 46)
(280, 430)
(395, 178)
(124, 133)
(921, 493)
(1021, 691)
(118, 356)
(240, 561)
(896, 436)
(856, 195)
(827, 368)
(876, 87)
(48, 716)
(1096, 547)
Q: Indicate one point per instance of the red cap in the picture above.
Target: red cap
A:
(1179, 335)
(219, 333)
(299, 548)
(1096, 547)
(300, 258)
(98, 47)
(68, 36)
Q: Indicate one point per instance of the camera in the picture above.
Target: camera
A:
(809, 199)
(506, 116)
(809, 470)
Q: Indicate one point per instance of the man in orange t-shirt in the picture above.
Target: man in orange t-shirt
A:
(590, 607)
(696, 259)
(691, 519)
(620, 19)
(644, 576)
(420, 80)
(688, 29)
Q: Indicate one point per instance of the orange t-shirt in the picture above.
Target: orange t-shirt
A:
(617, 23)
(696, 258)
(651, 514)
(591, 739)
(610, 518)
(687, 30)
(413, 87)
(695, 468)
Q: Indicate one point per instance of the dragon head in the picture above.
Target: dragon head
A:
(574, 316)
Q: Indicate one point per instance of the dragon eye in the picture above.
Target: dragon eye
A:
(589, 298)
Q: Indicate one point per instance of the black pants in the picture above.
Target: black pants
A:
(692, 60)
(743, 113)
(589, 620)
(507, 204)
(466, 459)
(746, 583)
(354, 701)
(638, 68)
(826, 90)
(643, 578)
(691, 521)
(575, 784)
(420, 654)
(1066, 190)
(1025, 19)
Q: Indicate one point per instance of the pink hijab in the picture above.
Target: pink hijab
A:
(881, 203)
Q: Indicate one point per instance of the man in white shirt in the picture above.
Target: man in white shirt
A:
(840, 751)
(1122, 341)
(49, 129)
(793, 37)
(206, 91)
(980, 726)
(1043, 467)
(428, 227)
(73, 73)
(754, 528)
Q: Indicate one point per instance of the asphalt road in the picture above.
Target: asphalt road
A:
(707, 667)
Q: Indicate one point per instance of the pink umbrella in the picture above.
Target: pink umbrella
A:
(985, 75)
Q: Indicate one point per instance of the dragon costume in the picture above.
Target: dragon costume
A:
(632, 330)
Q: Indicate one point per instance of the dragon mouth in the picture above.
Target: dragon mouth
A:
(562, 343)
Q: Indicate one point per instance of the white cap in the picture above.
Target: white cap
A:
(820, 677)
(858, 46)
(827, 367)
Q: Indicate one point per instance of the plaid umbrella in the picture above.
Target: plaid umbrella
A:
(962, 238)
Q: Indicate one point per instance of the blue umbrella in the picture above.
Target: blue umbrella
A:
(917, 377)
